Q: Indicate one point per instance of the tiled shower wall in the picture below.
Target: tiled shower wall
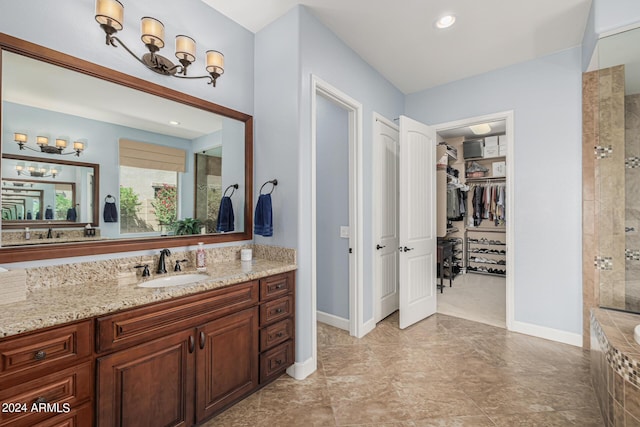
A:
(632, 196)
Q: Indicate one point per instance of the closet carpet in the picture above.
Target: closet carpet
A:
(477, 297)
(443, 371)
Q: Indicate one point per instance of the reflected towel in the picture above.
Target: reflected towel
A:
(226, 219)
(263, 217)
(72, 215)
(29, 215)
(48, 213)
(110, 213)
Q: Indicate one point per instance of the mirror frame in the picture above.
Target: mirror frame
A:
(19, 224)
(50, 251)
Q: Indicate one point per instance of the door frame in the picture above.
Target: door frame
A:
(508, 116)
(356, 208)
(376, 213)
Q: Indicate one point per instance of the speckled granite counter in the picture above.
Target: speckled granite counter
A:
(50, 306)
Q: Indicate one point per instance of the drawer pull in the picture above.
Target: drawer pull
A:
(280, 286)
(278, 362)
(202, 340)
(279, 335)
(278, 310)
(40, 400)
(192, 344)
(40, 355)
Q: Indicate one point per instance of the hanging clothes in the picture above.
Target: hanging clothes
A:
(488, 203)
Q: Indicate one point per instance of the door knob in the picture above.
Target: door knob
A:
(406, 249)
(378, 247)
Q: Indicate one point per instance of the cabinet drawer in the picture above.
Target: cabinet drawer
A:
(276, 334)
(276, 286)
(52, 394)
(275, 310)
(50, 349)
(80, 417)
(276, 361)
(144, 324)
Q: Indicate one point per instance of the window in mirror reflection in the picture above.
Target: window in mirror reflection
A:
(209, 186)
(148, 200)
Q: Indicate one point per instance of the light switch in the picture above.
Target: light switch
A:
(344, 231)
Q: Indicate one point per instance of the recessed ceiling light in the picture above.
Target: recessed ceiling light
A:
(481, 129)
(174, 123)
(445, 21)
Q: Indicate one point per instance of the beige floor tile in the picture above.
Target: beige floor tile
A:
(443, 371)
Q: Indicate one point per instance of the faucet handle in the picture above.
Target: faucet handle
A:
(145, 271)
(178, 267)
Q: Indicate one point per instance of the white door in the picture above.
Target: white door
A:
(417, 222)
(386, 234)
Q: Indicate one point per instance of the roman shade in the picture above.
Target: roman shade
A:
(151, 156)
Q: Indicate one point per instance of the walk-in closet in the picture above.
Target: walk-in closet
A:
(471, 218)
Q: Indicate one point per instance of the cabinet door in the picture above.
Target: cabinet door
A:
(226, 361)
(148, 385)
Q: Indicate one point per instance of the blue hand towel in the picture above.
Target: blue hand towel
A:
(226, 219)
(263, 216)
(48, 213)
(72, 214)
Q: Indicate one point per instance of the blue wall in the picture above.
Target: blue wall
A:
(545, 95)
(332, 194)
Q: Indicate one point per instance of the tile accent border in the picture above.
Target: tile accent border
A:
(603, 263)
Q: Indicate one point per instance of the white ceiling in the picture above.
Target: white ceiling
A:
(398, 38)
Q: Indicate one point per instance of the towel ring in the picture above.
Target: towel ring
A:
(109, 196)
(233, 188)
(273, 182)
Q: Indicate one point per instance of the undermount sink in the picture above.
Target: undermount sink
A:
(183, 279)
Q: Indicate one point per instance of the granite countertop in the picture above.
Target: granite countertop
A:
(58, 305)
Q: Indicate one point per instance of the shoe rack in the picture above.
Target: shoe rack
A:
(486, 252)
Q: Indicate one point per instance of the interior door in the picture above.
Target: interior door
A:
(386, 238)
(417, 222)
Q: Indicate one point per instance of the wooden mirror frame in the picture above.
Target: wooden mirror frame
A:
(19, 224)
(49, 251)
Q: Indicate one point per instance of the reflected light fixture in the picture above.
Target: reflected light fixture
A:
(37, 171)
(481, 129)
(43, 142)
(445, 21)
(110, 15)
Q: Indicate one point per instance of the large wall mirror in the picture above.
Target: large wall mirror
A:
(145, 165)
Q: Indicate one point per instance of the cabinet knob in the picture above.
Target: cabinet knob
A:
(202, 340)
(279, 335)
(280, 286)
(278, 310)
(40, 355)
(40, 400)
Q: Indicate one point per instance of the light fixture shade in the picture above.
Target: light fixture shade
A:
(20, 137)
(42, 141)
(446, 21)
(20, 166)
(78, 145)
(32, 167)
(55, 170)
(185, 48)
(481, 129)
(61, 143)
(152, 32)
(110, 13)
(215, 62)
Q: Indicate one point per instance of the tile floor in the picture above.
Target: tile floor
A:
(443, 371)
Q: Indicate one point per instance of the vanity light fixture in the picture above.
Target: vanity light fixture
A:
(110, 15)
(43, 143)
(38, 171)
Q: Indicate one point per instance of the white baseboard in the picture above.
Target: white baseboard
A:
(301, 370)
(367, 327)
(331, 320)
(547, 333)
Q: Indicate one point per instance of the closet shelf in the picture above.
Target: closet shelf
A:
(486, 178)
(489, 159)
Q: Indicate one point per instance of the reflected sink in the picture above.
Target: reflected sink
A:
(183, 279)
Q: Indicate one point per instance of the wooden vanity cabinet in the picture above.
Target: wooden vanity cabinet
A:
(277, 325)
(183, 376)
(46, 376)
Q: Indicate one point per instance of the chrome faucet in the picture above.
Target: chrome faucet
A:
(162, 267)
(50, 233)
